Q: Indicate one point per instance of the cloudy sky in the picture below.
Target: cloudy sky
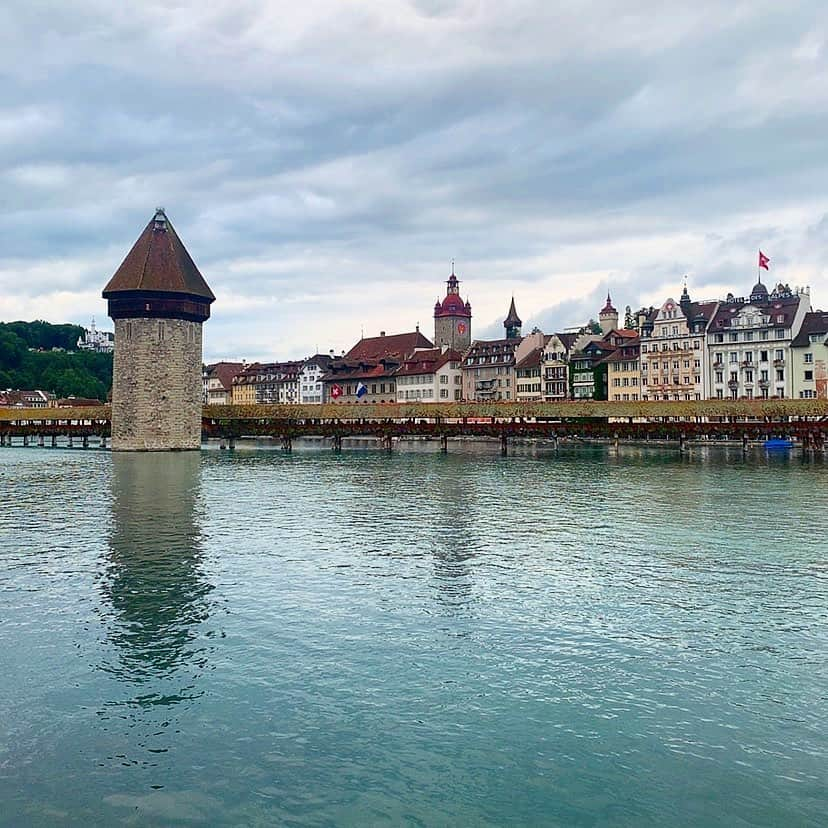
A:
(324, 161)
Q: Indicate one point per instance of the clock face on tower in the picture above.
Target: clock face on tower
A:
(461, 327)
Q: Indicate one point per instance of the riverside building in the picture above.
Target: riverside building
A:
(310, 378)
(673, 350)
(749, 342)
(267, 383)
(430, 375)
(809, 358)
(555, 366)
(489, 365)
(218, 382)
(367, 372)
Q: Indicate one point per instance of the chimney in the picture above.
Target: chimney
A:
(382, 333)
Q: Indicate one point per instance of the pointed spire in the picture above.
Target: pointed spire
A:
(608, 308)
(512, 319)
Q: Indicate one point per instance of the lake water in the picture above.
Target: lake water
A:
(254, 638)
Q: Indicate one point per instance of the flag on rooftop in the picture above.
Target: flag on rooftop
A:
(764, 261)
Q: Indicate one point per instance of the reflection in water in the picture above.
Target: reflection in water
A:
(455, 542)
(153, 578)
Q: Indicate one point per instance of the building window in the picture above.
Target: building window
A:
(809, 376)
(809, 358)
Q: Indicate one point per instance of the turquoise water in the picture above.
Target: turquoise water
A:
(254, 639)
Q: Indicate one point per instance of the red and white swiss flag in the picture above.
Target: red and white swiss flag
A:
(336, 391)
(764, 261)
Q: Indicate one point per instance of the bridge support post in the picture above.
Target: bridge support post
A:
(85, 441)
(25, 439)
(54, 441)
(103, 441)
(287, 444)
(444, 444)
(71, 441)
(2, 440)
(745, 444)
(555, 441)
(388, 442)
(615, 442)
(337, 444)
(40, 440)
(504, 445)
(231, 443)
(682, 443)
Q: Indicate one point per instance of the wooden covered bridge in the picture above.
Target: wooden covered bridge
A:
(805, 421)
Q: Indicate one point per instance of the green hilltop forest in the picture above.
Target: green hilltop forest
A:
(63, 373)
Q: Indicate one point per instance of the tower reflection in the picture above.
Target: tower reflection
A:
(153, 579)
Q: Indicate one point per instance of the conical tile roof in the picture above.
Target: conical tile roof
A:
(159, 263)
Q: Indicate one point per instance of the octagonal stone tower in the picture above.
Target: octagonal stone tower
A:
(158, 301)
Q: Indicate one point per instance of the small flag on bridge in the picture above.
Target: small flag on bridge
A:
(764, 261)
(362, 390)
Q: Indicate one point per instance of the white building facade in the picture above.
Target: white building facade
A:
(310, 379)
(430, 375)
(749, 343)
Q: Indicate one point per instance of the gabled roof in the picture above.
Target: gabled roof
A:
(322, 360)
(224, 372)
(567, 339)
(159, 263)
(427, 361)
(623, 352)
(815, 322)
(531, 360)
(396, 345)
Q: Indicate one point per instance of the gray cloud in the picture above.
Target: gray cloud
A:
(323, 164)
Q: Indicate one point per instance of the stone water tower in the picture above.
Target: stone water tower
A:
(158, 301)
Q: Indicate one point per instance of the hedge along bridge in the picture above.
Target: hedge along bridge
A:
(745, 420)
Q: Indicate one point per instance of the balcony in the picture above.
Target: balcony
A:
(718, 366)
(733, 384)
(779, 363)
(764, 383)
(746, 363)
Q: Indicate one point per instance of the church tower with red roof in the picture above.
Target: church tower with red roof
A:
(158, 301)
(452, 318)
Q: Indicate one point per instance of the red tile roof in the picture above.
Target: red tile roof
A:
(224, 372)
(374, 348)
(427, 361)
